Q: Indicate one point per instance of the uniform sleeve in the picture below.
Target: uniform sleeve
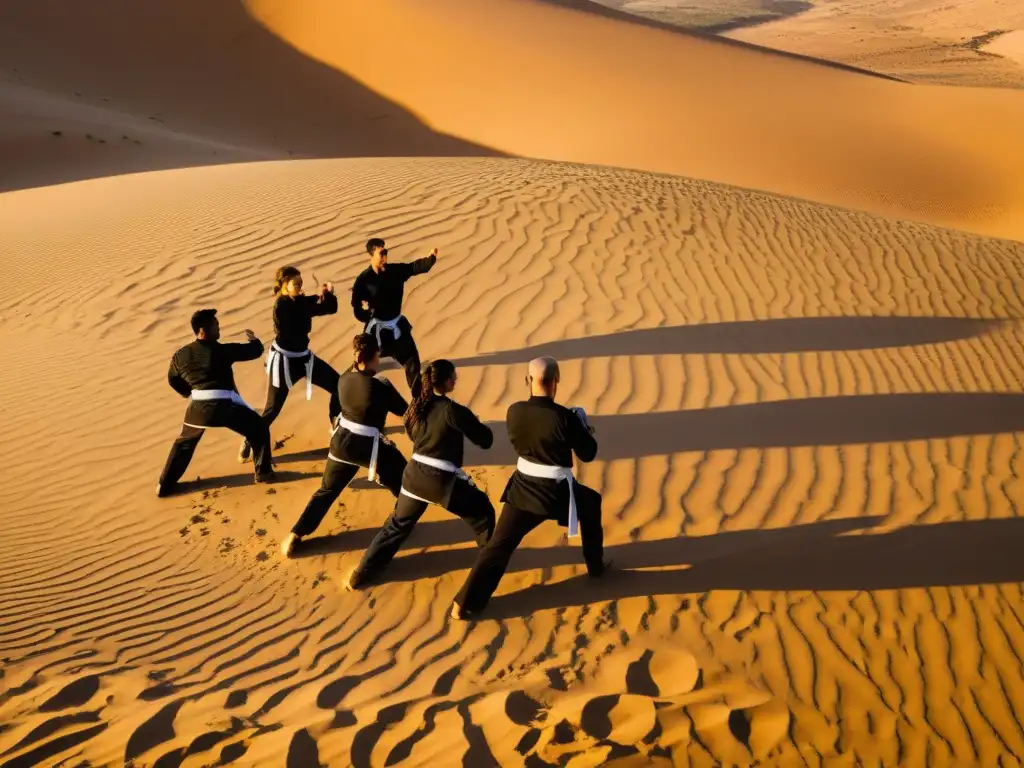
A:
(317, 308)
(238, 353)
(358, 296)
(420, 266)
(583, 443)
(464, 420)
(174, 378)
(395, 402)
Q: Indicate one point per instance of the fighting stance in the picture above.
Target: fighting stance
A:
(202, 371)
(545, 435)
(290, 358)
(437, 426)
(356, 441)
(377, 301)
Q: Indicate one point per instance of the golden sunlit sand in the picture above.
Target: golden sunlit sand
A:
(809, 413)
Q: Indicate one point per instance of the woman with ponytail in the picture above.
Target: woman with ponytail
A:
(356, 441)
(438, 427)
(289, 359)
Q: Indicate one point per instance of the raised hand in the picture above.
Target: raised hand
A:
(250, 335)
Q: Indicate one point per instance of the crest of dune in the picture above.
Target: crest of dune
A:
(552, 81)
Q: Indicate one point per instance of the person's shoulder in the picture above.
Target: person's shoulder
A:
(364, 274)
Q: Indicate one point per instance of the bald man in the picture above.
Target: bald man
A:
(545, 435)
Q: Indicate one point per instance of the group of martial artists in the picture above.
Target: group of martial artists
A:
(544, 434)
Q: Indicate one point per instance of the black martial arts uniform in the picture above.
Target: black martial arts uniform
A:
(438, 436)
(365, 400)
(206, 366)
(542, 432)
(384, 293)
(289, 359)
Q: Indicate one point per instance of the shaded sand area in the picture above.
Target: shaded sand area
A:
(810, 424)
(533, 78)
(924, 41)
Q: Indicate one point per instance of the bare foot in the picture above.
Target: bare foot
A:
(244, 452)
(289, 544)
(461, 614)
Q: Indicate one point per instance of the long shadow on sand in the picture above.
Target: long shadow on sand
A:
(754, 337)
(211, 71)
(814, 557)
(941, 555)
(817, 421)
(235, 481)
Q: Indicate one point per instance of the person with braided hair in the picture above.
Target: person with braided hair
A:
(377, 301)
(438, 427)
(289, 358)
(365, 403)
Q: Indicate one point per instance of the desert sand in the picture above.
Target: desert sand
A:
(809, 413)
(920, 41)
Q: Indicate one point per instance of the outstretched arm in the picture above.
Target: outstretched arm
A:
(464, 420)
(325, 303)
(174, 378)
(238, 353)
(418, 267)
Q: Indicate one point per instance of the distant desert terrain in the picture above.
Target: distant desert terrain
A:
(790, 297)
(971, 44)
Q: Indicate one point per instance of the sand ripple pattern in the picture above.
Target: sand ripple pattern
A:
(810, 425)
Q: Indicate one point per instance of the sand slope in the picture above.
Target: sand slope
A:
(810, 426)
(194, 82)
(542, 79)
(219, 80)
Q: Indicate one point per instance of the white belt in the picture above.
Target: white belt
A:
(206, 395)
(278, 358)
(219, 394)
(363, 430)
(376, 324)
(549, 472)
(441, 464)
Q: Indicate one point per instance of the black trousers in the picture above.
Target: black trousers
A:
(238, 419)
(403, 351)
(513, 525)
(324, 376)
(467, 501)
(390, 466)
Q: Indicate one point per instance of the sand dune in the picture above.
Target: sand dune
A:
(536, 78)
(810, 426)
(926, 41)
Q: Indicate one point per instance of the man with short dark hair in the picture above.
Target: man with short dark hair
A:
(545, 435)
(201, 371)
(377, 301)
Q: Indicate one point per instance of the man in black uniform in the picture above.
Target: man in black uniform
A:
(377, 301)
(356, 442)
(202, 371)
(545, 435)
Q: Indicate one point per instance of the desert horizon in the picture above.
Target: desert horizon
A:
(783, 280)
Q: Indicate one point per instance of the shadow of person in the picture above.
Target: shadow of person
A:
(940, 555)
(754, 337)
(236, 481)
(660, 553)
(813, 421)
(430, 534)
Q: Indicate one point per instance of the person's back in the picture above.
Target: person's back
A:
(545, 435)
(367, 400)
(204, 364)
(441, 433)
(544, 432)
